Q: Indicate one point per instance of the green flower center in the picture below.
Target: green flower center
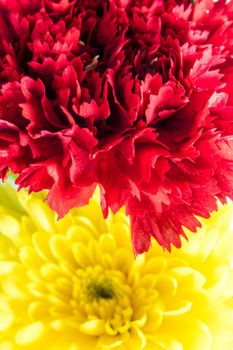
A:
(103, 295)
(102, 290)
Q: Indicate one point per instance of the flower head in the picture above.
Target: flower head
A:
(135, 96)
(74, 283)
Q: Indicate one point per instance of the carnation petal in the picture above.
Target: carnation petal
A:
(134, 97)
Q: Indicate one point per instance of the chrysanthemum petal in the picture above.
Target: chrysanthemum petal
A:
(30, 334)
(93, 327)
(72, 292)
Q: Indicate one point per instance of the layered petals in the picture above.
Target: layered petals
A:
(132, 96)
(74, 283)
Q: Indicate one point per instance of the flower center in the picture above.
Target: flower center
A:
(101, 290)
(104, 295)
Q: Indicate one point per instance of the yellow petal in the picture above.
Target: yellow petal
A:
(10, 226)
(38, 309)
(9, 267)
(81, 255)
(200, 299)
(110, 342)
(137, 340)
(166, 286)
(74, 341)
(177, 306)
(154, 319)
(14, 287)
(106, 261)
(42, 215)
(61, 249)
(188, 277)
(29, 257)
(120, 232)
(93, 327)
(6, 316)
(165, 342)
(201, 338)
(30, 334)
(107, 244)
(6, 345)
(79, 234)
(123, 260)
(191, 332)
(155, 265)
(41, 243)
(148, 281)
(87, 223)
(50, 271)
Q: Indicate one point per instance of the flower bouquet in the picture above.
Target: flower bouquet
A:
(126, 103)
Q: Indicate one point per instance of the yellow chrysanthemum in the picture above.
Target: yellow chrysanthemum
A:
(74, 284)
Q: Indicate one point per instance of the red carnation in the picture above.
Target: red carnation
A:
(132, 95)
